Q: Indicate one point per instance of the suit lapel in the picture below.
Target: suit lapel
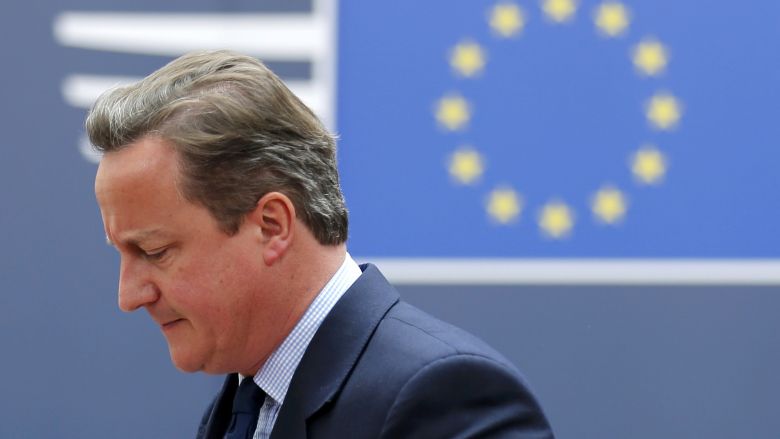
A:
(334, 350)
(221, 409)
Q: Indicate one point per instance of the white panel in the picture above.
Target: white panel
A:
(267, 36)
(579, 271)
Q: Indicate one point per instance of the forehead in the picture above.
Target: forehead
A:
(146, 162)
(136, 191)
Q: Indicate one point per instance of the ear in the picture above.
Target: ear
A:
(274, 215)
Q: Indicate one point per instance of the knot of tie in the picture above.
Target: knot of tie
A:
(246, 409)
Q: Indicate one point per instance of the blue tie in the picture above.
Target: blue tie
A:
(246, 408)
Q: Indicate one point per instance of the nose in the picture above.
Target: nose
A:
(136, 288)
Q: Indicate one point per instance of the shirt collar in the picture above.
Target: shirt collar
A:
(277, 372)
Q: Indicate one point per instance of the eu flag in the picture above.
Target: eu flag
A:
(561, 128)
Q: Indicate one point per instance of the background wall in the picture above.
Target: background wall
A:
(458, 143)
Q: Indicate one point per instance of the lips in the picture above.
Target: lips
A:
(170, 324)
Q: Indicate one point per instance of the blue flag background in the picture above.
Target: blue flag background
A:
(557, 112)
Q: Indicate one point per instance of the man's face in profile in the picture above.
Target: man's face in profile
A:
(200, 285)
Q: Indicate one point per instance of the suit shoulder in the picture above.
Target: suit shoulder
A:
(466, 396)
(417, 334)
(414, 368)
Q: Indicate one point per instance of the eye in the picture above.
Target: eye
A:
(154, 255)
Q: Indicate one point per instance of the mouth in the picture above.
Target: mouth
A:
(170, 325)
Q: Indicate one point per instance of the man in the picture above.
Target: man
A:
(219, 189)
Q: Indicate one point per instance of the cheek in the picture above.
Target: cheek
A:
(197, 290)
(215, 287)
(220, 290)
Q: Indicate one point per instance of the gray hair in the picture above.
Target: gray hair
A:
(239, 133)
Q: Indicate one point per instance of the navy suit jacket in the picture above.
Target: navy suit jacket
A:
(380, 368)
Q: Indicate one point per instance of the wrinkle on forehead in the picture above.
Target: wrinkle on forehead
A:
(135, 183)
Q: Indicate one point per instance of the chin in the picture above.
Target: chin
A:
(185, 363)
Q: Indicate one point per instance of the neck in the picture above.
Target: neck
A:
(305, 277)
(310, 277)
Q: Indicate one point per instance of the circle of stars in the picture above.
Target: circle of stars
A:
(609, 205)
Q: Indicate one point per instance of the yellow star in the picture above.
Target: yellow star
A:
(466, 165)
(504, 205)
(612, 18)
(650, 57)
(468, 59)
(664, 111)
(609, 205)
(648, 165)
(453, 112)
(506, 19)
(559, 10)
(556, 219)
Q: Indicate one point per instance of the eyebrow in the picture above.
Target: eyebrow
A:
(136, 237)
